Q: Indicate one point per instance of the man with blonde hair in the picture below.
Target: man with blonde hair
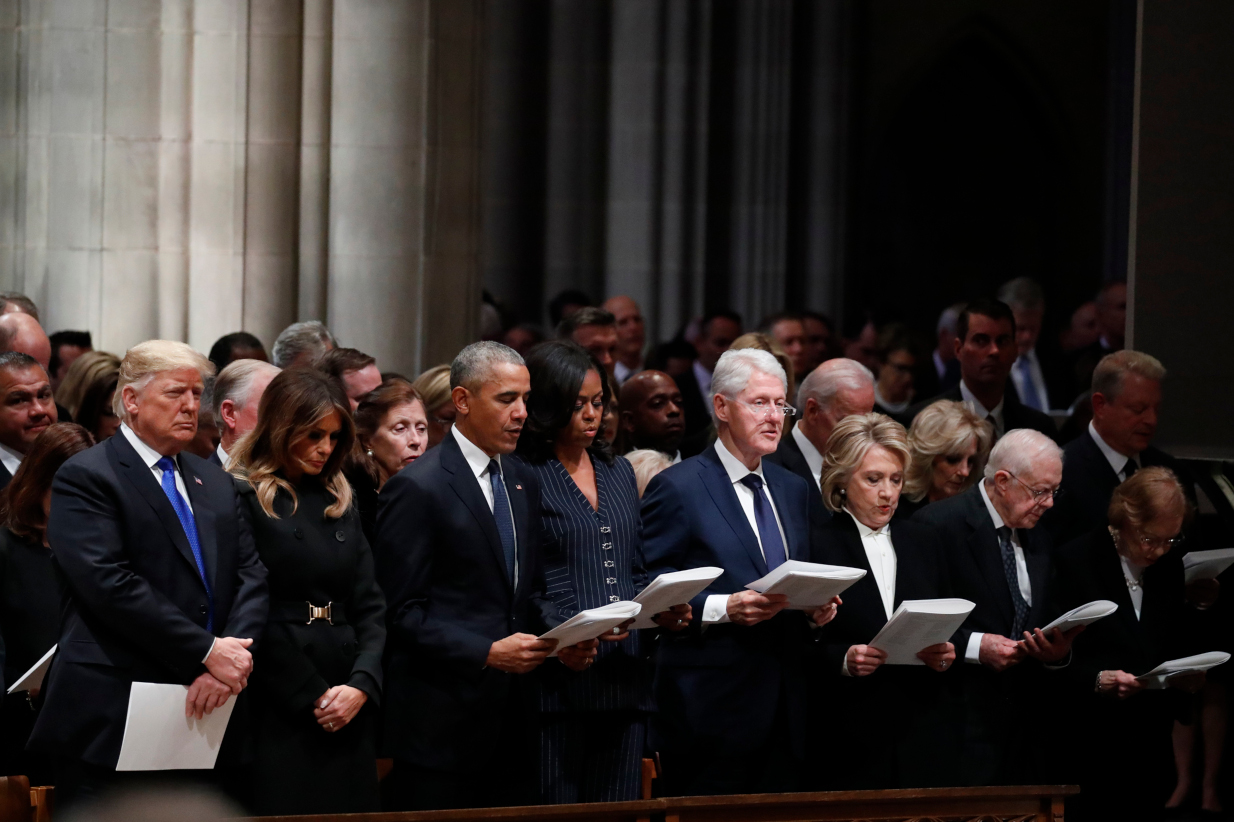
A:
(163, 580)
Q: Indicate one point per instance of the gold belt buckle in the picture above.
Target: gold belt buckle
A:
(318, 612)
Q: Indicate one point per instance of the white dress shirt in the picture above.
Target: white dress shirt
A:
(1034, 373)
(881, 556)
(1136, 575)
(10, 458)
(980, 410)
(973, 652)
(813, 458)
(703, 377)
(223, 458)
(623, 372)
(940, 367)
(1117, 461)
(478, 461)
(676, 457)
(715, 610)
(893, 407)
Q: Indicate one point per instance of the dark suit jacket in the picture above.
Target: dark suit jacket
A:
(5, 477)
(1015, 413)
(898, 723)
(136, 606)
(788, 454)
(719, 689)
(449, 598)
(697, 411)
(1088, 483)
(214, 458)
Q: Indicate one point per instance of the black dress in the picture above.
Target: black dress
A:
(30, 624)
(299, 768)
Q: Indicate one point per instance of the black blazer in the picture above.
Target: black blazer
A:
(1088, 484)
(5, 476)
(1015, 413)
(214, 458)
(440, 561)
(136, 606)
(697, 410)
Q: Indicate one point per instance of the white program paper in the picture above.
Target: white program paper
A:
(33, 679)
(1084, 615)
(917, 624)
(673, 588)
(807, 584)
(1207, 564)
(591, 623)
(159, 737)
(1158, 677)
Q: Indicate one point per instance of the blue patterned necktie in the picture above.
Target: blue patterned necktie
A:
(765, 518)
(1031, 398)
(1013, 582)
(189, 524)
(501, 513)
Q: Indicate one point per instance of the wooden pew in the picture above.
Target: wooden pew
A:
(14, 799)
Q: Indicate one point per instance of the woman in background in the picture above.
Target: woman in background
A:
(949, 445)
(434, 389)
(391, 432)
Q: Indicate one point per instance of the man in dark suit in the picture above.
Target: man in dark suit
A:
(1111, 305)
(26, 409)
(716, 333)
(986, 348)
(236, 397)
(836, 389)
(163, 580)
(997, 559)
(1039, 377)
(731, 689)
(457, 554)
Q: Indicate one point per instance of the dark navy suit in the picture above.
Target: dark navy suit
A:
(731, 698)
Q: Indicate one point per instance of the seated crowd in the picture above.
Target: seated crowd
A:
(366, 561)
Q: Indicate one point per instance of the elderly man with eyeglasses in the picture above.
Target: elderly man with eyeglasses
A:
(999, 560)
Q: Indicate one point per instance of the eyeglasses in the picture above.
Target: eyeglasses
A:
(1039, 495)
(1161, 542)
(767, 409)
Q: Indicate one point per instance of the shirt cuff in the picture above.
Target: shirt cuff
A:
(973, 652)
(207, 656)
(1058, 666)
(715, 610)
(844, 665)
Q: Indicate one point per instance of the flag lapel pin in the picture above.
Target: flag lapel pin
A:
(518, 488)
(198, 480)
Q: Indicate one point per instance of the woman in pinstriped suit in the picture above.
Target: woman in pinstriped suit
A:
(592, 724)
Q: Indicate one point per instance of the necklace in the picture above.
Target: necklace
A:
(1133, 584)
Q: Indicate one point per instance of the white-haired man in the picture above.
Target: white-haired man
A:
(732, 691)
(236, 398)
(836, 389)
(163, 579)
(999, 560)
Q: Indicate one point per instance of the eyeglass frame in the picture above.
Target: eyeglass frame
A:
(1169, 543)
(785, 410)
(1038, 496)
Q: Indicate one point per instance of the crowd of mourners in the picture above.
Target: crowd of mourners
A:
(366, 561)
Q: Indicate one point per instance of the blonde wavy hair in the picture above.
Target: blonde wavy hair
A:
(85, 371)
(295, 401)
(944, 429)
(850, 441)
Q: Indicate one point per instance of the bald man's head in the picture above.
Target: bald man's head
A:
(651, 412)
(21, 332)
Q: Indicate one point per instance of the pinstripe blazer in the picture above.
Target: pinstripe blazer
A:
(592, 558)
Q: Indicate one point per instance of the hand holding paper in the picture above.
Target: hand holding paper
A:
(1159, 677)
(159, 737)
(919, 624)
(807, 585)
(672, 589)
(518, 653)
(589, 624)
(1084, 615)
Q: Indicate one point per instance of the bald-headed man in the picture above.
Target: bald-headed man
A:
(631, 336)
(21, 332)
(651, 414)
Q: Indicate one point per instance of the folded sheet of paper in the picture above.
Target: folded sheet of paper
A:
(159, 737)
(673, 588)
(807, 584)
(591, 623)
(33, 679)
(1207, 564)
(917, 624)
(1084, 615)
(1158, 677)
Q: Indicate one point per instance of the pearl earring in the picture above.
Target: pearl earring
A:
(369, 452)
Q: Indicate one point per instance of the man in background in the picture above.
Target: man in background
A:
(651, 414)
(595, 330)
(631, 336)
(66, 346)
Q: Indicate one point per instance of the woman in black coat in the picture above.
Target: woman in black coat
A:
(30, 590)
(893, 724)
(317, 670)
(1121, 731)
(591, 723)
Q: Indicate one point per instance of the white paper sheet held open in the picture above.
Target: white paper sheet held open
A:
(33, 678)
(807, 584)
(917, 624)
(1157, 677)
(591, 623)
(673, 588)
(1084, 615)
(158, 736)
(1207, 564)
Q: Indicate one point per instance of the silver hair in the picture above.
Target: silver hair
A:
(1111, 372)
(310, 337)
(948, 319)
(829, 379)
(1023, 293)
(737, 366)
(1019, 450)
(235, 382)
(475, 362)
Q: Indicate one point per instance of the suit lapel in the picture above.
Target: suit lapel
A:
(468, 490)
(716, 480)
(207, 530)
(987, 554)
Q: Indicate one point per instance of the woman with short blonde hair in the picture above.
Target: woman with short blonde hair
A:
(88, 369)
(850, 440)
(434, 389)
(647, 463)
(949, 445)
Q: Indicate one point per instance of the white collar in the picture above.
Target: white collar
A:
(703, 377)
(813, 458)
(989, 506)
(477, 460)
(893, 407)
(1117, 461)
(1031, 356)
(223, 458)
(148, 455)
(677, 457)
(735, 468)
(1130, 571)
(866, 531)
(10, 458)
(980, 409)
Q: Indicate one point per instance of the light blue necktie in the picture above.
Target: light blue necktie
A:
(189, 524)
(1031, 398)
